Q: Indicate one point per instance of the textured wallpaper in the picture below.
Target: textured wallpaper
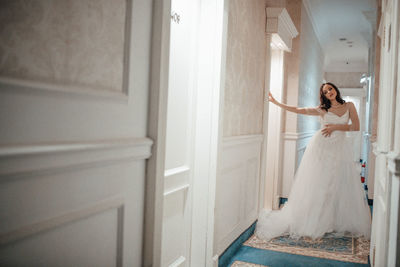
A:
(245, 68)
(64, 42)
(310, 74)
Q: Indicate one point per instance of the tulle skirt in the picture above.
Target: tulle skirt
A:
(326, 195)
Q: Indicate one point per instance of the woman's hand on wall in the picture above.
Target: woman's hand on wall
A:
(271, 98)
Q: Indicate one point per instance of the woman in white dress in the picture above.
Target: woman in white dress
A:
(326, 195)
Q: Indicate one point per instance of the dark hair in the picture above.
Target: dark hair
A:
(325, 102)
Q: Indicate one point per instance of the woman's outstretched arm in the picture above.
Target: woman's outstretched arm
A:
(306, 111)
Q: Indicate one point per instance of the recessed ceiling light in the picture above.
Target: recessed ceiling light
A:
(342, 39)
(350, 45)
(349, 42)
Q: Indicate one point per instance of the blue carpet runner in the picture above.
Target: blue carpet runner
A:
(240, 254)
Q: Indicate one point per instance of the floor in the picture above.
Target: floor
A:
(240, 255)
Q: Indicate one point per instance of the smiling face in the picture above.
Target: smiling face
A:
(329, 92)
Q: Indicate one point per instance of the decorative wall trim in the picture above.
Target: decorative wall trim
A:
(33, 159)
(241, 140)
(297, 136)
(281, 26)
(28, 86)
(66, 218)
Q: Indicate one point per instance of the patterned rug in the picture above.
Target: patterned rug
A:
(246, 264)
(346, 248)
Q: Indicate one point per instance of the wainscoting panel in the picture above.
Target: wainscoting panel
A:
(85, 242)
(41, 40)
(71, 214)
(237, 188)
(294, 145)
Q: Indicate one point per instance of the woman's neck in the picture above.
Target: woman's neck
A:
(334, 103)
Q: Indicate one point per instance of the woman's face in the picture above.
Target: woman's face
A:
(329, 92)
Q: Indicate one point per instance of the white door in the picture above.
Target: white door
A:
(384, 239)
(73, 113)
(176, 229)
(192, 131)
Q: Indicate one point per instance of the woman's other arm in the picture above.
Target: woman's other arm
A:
(354, 126)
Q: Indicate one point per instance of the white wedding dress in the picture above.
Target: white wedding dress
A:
(326, 195)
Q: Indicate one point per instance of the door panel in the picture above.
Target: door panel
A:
(73, 113)
(178, 162)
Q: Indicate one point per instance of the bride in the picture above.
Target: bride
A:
(326, 195)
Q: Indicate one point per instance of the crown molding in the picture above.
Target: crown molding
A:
(281, 26)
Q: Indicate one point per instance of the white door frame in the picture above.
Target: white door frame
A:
(210, 67)
(154, 191)
(385, 225)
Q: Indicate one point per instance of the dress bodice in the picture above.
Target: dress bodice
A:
(331, 118)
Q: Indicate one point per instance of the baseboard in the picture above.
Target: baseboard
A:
(282, 200)
(227, 255)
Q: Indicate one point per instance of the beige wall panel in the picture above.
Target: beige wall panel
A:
(245, 71)
(76, 43)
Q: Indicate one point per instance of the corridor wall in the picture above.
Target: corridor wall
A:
(238, 180)
(304, 74)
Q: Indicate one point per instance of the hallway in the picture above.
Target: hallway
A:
(304, 49)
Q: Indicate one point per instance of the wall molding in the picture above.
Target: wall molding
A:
(297, 136)
(37, 87)
(241, 140)
(47, 88)
(29, 160)
(66, 218)
(281, 26)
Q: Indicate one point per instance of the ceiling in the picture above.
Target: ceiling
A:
(348, 19)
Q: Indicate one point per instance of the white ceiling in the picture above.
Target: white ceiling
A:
(350, 19)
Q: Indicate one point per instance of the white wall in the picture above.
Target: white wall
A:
(73, 146)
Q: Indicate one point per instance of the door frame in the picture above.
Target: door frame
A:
(210, 79)
(385, 250)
